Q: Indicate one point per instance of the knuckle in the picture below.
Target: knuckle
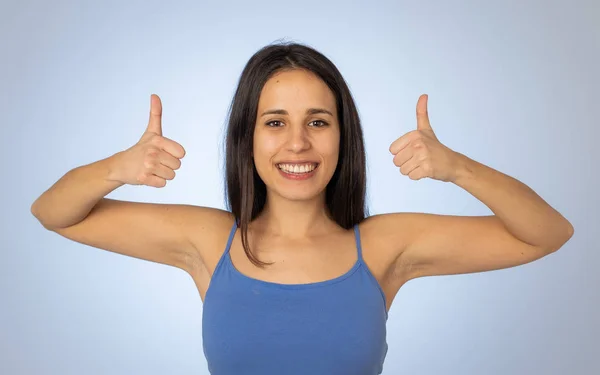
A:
(152, 151)
(149, 163)
(142, 178)
(156, 139)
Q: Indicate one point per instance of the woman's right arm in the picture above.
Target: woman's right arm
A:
(75, 207)
(72, 197)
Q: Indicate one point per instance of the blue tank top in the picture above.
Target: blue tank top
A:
(251, 326)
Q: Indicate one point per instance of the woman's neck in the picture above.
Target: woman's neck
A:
(294, 219)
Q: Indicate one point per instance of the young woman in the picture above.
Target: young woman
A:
(301, 280)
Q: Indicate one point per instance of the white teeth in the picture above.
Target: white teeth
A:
(297, 168)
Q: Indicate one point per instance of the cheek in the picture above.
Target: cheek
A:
(270, 144)
(264, 148)
(331, 147)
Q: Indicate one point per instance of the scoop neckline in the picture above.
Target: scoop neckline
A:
(315, 284)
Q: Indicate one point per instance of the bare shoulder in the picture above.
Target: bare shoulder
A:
(384, 241)
(208, 228)
(390, 237)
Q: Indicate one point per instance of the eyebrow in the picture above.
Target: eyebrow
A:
(310, 111)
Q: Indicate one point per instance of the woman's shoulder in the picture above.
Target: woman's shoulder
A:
(207, 228)
(387, 234)
(384, 224)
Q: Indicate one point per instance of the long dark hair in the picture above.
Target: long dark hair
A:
(246, 193)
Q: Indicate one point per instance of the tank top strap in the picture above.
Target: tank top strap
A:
(358, 245)
(225, 260)
(231, 234)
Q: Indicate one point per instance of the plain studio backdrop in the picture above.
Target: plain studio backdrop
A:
(513, 85)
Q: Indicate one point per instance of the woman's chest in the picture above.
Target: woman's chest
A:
(303, 262)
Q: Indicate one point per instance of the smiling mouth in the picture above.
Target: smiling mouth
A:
(298, 169)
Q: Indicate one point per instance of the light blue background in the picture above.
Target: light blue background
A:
(511, 84)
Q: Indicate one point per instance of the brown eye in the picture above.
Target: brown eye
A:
(274, 123)
(318, 123)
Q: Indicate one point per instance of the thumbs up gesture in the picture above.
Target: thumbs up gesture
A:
(153, 159)
(419, 154)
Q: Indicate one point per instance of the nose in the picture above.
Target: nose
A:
(298, 139)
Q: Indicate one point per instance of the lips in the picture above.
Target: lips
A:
(299, 175)
(297, 168)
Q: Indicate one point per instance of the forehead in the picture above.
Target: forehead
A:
(296, 88)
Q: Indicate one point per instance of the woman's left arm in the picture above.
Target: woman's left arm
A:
(523, 228)
(523, 212)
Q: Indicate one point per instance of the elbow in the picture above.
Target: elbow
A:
(569, 231)
(34, 209)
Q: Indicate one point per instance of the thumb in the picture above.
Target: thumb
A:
(155, 122)
(422, 115)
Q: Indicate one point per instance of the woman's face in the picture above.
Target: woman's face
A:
(297, 135)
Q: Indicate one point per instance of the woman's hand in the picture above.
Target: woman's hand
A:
(419, 154)
(152, 160)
